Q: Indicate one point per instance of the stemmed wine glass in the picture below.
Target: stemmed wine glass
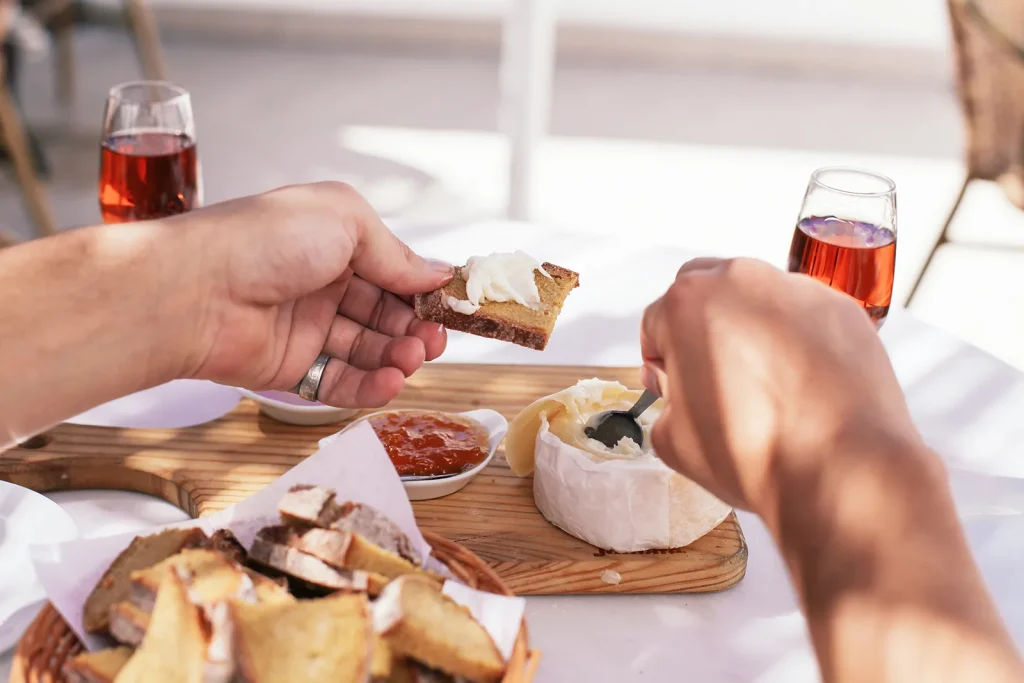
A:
(148, 162)
(845, 236)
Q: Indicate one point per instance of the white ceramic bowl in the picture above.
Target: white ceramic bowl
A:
(290, 409)
(26, 518)
(428, 489)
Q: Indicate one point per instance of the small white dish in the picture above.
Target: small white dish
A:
(26, 518)
(428, 489)
(290, 409)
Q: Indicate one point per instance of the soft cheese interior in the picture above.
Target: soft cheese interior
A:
(623, 499)
(499, 277)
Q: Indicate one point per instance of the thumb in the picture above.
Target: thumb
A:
(381, 258)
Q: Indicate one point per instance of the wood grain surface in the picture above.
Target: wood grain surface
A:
(206, 468)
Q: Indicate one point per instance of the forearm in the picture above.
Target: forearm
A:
(86, 317)
(878, 556)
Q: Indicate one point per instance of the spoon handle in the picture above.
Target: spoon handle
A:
(643, 404)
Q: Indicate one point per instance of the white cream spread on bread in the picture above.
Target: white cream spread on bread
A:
(499, 277)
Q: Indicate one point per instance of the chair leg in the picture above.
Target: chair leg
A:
(942, 239)
(144, 32)
(63, 31)
(17, 143)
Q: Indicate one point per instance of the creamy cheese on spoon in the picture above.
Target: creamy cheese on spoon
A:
(499, 277)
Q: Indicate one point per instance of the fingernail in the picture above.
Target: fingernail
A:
(650, 380)
(439, 266)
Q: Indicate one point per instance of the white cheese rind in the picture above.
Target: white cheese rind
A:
(622, 503)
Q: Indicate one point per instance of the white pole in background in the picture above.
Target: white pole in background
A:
(527, 62)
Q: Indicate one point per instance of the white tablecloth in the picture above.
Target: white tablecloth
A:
(969, 405)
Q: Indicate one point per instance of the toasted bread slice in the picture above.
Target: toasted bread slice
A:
(174, 648)
(316, 506)
(419, 621)
(503, 320)
(128, 623)
(96, 667)
(305, 504)
(382, 659)
(144, 551)
(224, 542)
(210, 577)
(271, 548)
(313, 641)
(348, 550)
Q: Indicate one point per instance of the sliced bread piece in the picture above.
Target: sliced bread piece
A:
(114, 586)
(313, 641)
(271, 548)
(503, 320)
(224, 541)
(348, 550)
(382, 659)
(419, 621)
(375, 527)
(174, 648)
(96, 667)
(128, 623)
(305, 504)
(316, 506)
(210, 576)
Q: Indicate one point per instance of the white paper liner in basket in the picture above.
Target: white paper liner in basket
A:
(354, 464)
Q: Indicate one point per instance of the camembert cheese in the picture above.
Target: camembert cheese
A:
(623, 499)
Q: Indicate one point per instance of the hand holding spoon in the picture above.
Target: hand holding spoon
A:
(612, 426)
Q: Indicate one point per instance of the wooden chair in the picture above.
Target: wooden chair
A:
(988, 38)
(16, 142)
(59, 16)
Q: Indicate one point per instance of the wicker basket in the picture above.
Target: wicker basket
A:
(49, 641)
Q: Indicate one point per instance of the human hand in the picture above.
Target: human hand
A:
(761, 372)
(300, 271)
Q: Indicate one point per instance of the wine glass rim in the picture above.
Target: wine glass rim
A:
(177, 91)
(816, 177)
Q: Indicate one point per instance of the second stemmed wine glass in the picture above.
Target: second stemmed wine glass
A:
(148, 162)
(845, 236)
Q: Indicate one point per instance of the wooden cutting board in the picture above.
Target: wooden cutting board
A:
(206, 468)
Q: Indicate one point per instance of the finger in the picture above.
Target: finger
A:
(376, 309)
(345, 386)
(652, 376)
(701, 263)
(386, 261)
(367, 349)
(651, 332)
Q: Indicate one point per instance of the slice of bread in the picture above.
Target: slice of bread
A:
(420, 622)
(174, 649)
(114, 585)
(224, 542)
(503, 320)
(348, 550)
(305, 504)
(210, 577)
(128, 623)
(382, 660)
(315, 506)
(313, 641)
(96, 667)
(271, 548)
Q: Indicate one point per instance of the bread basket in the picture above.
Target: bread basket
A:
(49, 641)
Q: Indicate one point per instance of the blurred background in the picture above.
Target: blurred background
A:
(690, 123)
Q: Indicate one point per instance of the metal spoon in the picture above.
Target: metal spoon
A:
(612, 426)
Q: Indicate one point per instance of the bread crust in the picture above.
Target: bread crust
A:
(431, 306)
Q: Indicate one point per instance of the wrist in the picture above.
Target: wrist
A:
(160, 275)
(865, 465)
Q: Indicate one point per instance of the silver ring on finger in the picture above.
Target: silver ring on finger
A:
(309, 387)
